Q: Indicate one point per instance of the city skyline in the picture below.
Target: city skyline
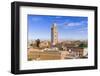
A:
(69, 27)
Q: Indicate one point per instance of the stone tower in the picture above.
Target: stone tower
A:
(54, 35)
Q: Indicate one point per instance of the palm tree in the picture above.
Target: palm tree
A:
(37, 42)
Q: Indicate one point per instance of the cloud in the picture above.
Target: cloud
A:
(83, 30)
(36, 19)
(58, 17)
(72, 24)
(80, 26)
(76, 23)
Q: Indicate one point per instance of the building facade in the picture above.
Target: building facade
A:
(54, 35)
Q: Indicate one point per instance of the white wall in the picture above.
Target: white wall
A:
(5, 41)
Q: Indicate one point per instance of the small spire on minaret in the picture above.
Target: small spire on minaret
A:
(54, 24)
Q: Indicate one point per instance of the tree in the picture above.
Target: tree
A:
(82, 45)
(37, 42)
(31, 44)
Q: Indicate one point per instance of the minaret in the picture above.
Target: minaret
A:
(54, 35)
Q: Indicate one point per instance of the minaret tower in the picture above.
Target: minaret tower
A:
(54, 35)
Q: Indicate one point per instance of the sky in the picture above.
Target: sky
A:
(68, 27)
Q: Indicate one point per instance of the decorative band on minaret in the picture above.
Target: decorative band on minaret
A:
(54, 35)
